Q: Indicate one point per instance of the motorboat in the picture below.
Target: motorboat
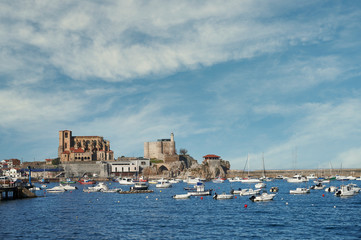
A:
(68, 181)
(250, 180)
(280, 177)
(297, 179)
(182, 196)
(218, 180)
(56, 189)
(351, 178)
(236, 191)
(125, 181)
(112, 190)
(222, 196)
(68, 187)
(191, 180)
(199, 190)
(354, 187)
(358, 179)
(321, 180)
(98, 188)
(345, 191)
(260, 185)
(318, 186)
(235, 179)
(174, 180)
(139, 186)
(153, 181)
(250, 192)
(300, 191)
(263, 197)
(341, 178)
(87, 181)
(311, 177)
(163, 183)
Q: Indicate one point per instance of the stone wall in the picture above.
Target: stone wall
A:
(80, 169)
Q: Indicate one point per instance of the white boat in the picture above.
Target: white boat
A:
(341, 178)
(358, 179)
(112, 190)
(331, 189)
(218, 180)
(318, 186)
(68, 187)
(125, 181)
(311, 177)
(98, 188)
(235, 179)
(174, 180)
(182, 196)
(222, 196)
(345, 191)
(139, 186)
(250, 180)
(263, 197)
(280, 177)
(153, 181)
(56, 189)
(260, 185)
(300, 191)
(351, 178)
(297, 179)
(163, 183)
(249, 192)
(199, 190)
(191, 180)
(354, 187)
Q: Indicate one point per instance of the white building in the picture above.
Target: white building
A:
(128, 166)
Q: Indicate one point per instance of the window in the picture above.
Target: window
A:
(66, 135)
(66, 145)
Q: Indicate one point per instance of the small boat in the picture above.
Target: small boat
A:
(199, 190)
(311, 177)
(153, 181)
(318, 186)
(163, 183)
(274, 189)
(260, 185)
(249, 192)
(56, 189)
(236, 191)
(331, 189)
(87, 181)
(250, 180)
(112, 190)
(235, 179)
(68, 181)
(354, 187)
(125, 181)
(280, 177)
(222, 196)
(300, 191)
(263, 197)
(345, 191)
(191, 180)
(68, 187)
(297, 179)
(139, 186)
(174, 180)
(98, 188)
(218, 180)
(182, 196)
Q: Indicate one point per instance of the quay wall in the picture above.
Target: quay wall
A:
(290, 173)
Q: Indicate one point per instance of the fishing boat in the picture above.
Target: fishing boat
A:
(300, 191)
(68, 181)
(222, 196)
(163, 183)
(125, 181)
(263, 197)
(139, 186)
(181, 196)
(199, 190)
(87, 181)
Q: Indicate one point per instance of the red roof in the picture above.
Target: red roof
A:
(66, 152)
(48, 159)
(211, 156)
(78, 150)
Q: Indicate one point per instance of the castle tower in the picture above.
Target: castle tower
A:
(64, 141)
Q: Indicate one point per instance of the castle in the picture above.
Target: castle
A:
(163, 149)
(83, 148)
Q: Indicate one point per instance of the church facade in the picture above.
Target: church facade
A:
(83, 148)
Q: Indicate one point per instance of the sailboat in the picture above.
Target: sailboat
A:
(249, 179)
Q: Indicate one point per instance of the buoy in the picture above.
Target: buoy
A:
(201, 198)
(323, 195)
(160, 191)
(146, 197)
(245, 205)
(235, 197)
(71, 191)
(286, 203)
(156, 199)
(334, 206)
(118, 201)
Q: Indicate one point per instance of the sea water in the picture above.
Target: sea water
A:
(80, 215)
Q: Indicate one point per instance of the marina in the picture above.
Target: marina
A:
(169, 217)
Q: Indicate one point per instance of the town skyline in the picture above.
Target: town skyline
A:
(279, 80)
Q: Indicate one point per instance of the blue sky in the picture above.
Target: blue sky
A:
(230, 78)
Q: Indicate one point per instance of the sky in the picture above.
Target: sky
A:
(273, 80)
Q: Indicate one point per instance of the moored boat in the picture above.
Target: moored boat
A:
(163, 183)
(263, 197)
(87, 181)
(222, 196)
(300, 191)
(181, 196)
(139, 186)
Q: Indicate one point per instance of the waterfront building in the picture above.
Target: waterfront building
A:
(83, 148)
(162, 149)
(128, 166)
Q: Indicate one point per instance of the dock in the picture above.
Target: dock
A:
(136, 191)
(15, 192)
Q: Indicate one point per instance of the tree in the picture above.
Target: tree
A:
(55, 161)
(183, 151)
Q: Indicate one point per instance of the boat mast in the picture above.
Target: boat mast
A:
(264, 171)
(248, 165)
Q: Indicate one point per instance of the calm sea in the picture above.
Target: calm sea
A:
(80, 215)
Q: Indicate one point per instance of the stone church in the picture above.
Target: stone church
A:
(83, 148)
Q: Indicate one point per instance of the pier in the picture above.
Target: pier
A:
(12, 192)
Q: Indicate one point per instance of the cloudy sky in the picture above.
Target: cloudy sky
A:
(230, 78)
